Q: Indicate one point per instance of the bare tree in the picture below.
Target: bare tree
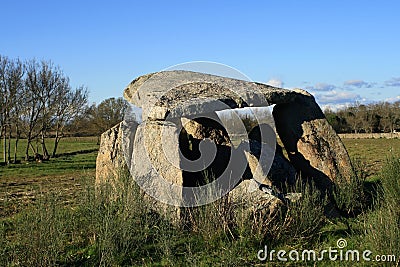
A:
(51, 81)
(108, 113)
(34, 105)
(16, 87)
(389, 117)
(3, 103)
(354, 118)
(71, 103)
(36, 100)
(45, 86)
(11, 74)
(370, 118)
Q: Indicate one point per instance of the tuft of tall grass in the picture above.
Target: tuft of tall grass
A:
(292, 223)
(382, 225)
(107, 227)
(303, 218)
(40, 234)
(350, 195)
(214, 220)
(117, 226)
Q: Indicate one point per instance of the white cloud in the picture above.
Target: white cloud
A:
(275, 83)
(336, 107)
(337, 97)
(358, 83)
(395, 82)
(321, 87)
(393, 99)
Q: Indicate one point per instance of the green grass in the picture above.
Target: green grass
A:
(66, 145)
(125, 231)
(383, 224)
(22, 183)
(372, 152)
(74, 155)
(68, 223)
(61, 165)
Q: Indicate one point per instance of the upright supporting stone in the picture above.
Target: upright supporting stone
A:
(155, 166)
(312, 145)
(111, 161)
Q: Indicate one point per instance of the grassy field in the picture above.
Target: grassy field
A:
(74, 155)
(50, 216)
(372, 152)
(21, 183)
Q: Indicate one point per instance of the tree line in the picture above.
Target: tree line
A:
(96, 119)
(37, 103)
(382, 117)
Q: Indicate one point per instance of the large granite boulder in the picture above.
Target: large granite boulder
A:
(176, 111)
(110, 162)
(185, 94)
(313, 147)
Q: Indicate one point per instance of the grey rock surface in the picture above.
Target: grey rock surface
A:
(313, 147)
(172, 102)
(110, 158)
(185, 93)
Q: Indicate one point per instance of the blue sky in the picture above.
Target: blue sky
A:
(341, 51)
